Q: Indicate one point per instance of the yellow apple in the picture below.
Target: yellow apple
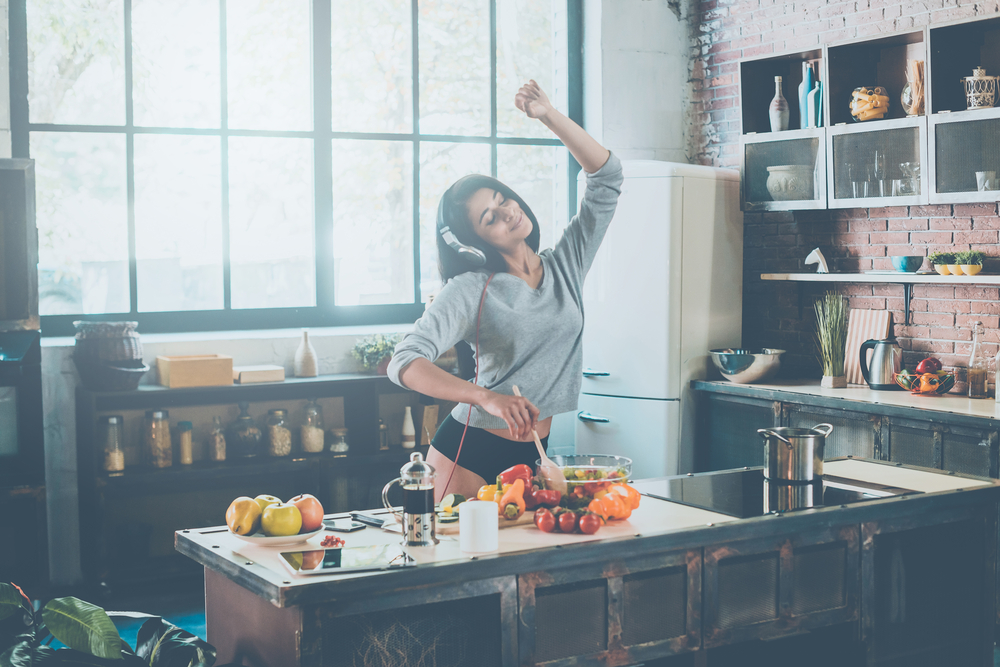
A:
(263, 501)
(281, 519)
(243, 516)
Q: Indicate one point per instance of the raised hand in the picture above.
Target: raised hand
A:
(532, 100)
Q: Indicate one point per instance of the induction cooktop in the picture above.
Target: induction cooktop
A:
(746, 493)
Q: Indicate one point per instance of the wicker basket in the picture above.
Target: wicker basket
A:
(110, 376)
(108, 341)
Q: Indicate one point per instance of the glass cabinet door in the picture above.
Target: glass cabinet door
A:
(881, 167)
(784, 174)
(966, 158)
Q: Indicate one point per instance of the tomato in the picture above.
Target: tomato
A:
(590, 524)
(545, 520)
(567, 522)
(928, 365)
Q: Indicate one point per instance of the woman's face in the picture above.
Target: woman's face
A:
(497, 220)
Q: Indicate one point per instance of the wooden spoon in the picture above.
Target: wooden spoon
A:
(550, 471)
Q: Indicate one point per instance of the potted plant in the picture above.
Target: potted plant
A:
(89, 636)
(374, 352)
(941, 260)
(831, 338)
(970, 261)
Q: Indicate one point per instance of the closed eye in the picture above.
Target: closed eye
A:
(482, 219)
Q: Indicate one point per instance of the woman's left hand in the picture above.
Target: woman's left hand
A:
(532, 100)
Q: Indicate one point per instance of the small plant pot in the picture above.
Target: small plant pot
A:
(834, 382)
(955, 269)
(383, 366)
(942, 269)
(971, 269)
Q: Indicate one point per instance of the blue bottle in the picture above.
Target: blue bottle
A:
(815, 105)
(804, 89)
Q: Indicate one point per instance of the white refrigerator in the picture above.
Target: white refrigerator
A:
(665, 288)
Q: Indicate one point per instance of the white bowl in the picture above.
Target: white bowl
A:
(746, 366)
(277, 541)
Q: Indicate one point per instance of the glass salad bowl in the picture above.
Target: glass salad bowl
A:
(587, 474)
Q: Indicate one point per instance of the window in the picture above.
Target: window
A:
(229, 164)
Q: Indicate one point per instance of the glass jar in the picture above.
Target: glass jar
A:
(185, 448)
(383, 436)
(217, 440)
(338, 441)
(279, 436)
(978, 365)
(243, 438)
(109, 438)
(159, 449)
(311, 430)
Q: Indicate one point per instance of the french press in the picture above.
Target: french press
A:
(419, 520)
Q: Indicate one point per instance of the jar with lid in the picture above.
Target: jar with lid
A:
(311, 430)
(978, 371)
(279, 436)
(109, 437)
(383, 436)
(159, 449)
(217, 440)
(243, 438)
(338, 441)
(185, 446)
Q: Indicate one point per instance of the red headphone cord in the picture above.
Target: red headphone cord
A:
(458, 453)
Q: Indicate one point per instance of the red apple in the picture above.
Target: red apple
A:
(312, 559)
(311, 510)
(928, 365)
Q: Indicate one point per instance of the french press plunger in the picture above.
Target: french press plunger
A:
(419, 520)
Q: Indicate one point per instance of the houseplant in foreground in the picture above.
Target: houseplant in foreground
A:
(941, 260)
(971, 261)
(374, 352)
(831, 338)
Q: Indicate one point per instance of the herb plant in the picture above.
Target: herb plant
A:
(372, 350)
(941, 258)
(831, 333)
(969, 258)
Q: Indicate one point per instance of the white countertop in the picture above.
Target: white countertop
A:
(955, 403)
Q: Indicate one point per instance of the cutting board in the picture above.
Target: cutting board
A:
(863, 325)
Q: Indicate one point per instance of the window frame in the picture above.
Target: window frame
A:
(325, 313)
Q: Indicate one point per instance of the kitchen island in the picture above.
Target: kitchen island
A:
(896, 568)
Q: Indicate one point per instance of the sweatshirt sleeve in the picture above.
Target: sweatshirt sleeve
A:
(449, 319)
(579, 243)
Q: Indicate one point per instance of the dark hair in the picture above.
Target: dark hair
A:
(453, 213)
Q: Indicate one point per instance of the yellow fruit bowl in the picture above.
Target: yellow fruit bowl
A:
(277, 540)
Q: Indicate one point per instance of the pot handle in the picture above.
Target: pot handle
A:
(767, 433)
(863, 360)
(820, 427)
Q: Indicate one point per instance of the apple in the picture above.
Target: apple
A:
(281, 519)
(928, 365)
(264, 501)
(312, 559)
(243, 516)
(311, 511)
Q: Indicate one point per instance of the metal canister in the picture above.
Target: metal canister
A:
(794, 454)
(419, 520)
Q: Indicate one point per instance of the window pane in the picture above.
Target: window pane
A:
(455, 67)
(81, 209)
(178, 228)
(441, 164)
(531, 44)
(175, 63)
(372, 66)
(539, 175)
(373, 222)
(76, 55)
(269, 66)
(271, 223)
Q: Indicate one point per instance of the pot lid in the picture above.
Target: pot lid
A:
(417, 468)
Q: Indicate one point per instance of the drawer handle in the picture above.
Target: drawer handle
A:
(587, 417)
(588, 373)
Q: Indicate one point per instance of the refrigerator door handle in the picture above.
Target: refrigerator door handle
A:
(589, 373)
(587, 417)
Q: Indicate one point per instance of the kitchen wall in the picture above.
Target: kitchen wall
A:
(775, 314)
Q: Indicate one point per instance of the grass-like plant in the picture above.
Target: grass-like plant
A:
(831, 332)
(941, 258)
(969, 258)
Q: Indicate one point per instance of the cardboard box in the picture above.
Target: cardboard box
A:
(202, 370)
(264, 373)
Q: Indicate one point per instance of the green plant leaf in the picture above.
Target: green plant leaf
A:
(26, 654)
(69, 657)
(162, 644)
(83, 627)
(11, 599)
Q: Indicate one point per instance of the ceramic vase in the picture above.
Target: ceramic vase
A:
(805, 88)
(834, 382)
(778, 110)
(409, 432)
(306, 361)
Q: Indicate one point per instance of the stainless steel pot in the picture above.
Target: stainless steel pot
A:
(794, 454)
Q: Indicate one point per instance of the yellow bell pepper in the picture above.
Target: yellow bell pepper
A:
(487, 492)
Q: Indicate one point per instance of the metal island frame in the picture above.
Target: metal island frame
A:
(906, 580)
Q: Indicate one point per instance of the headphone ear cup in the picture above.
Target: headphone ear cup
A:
(470, 254)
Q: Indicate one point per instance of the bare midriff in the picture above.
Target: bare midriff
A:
(542, 428)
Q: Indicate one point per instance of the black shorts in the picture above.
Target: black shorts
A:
(484, 453)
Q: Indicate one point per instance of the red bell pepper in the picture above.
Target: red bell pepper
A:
(520, 471)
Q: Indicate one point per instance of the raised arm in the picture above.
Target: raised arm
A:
(533, 101)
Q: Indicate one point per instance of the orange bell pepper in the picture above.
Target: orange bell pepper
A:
(597, 508)
(613, 506)
(630, 494)
(512, 503)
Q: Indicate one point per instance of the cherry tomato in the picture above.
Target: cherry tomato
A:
(545, 520)
(567, 522)
(590, 524)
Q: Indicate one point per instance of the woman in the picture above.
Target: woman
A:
(527, 319)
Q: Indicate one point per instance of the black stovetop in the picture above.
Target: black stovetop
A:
(746, 493)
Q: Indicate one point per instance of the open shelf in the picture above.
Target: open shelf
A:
(757, 87)
(955, 50)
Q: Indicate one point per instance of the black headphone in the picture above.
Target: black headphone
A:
(471, 254)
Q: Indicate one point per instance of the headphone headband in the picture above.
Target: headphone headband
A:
(471, 254)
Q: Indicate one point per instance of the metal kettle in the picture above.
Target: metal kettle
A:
(887, 360)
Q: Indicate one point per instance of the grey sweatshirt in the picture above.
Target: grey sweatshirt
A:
(532, 338)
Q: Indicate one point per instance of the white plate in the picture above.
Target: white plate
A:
(277, 541)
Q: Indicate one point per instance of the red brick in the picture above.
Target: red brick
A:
(907, 224)
(888, 212)
(869, 303)
(859, 238)
(849, 213)
(868, 225)
(986, 223)
(932, 346)
(989, 321)
(889, 237)
(934, 292)
(977, 293)
(951, 223)
(976, 209)
(949, 333)
(983, 236)
(930, 237)
(932, 211)
(933, 319)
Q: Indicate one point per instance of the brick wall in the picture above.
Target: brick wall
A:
(780, 314)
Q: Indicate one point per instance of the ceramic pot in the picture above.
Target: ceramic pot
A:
(834, 382)
(790, 182)
(383, 366)
(942, 269)
(306, 360)
(971, 269)
(955, 269)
